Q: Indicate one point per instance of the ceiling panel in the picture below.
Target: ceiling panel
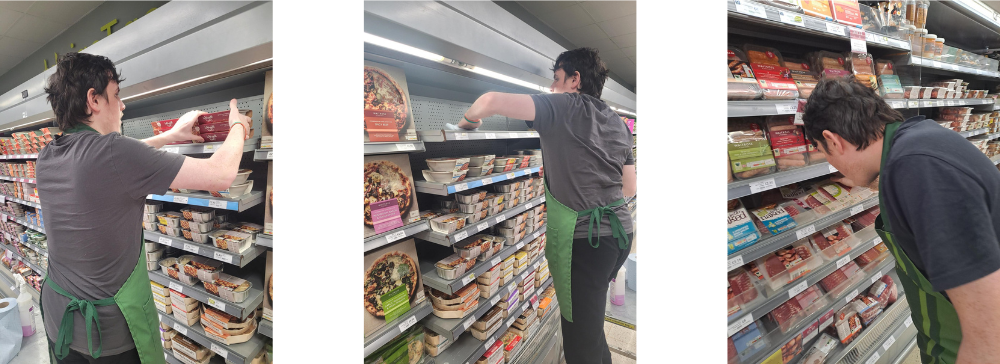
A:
(25, 26)
(34, 29)
(629, 51)
(627, 40)
(607, 10)
(619, 26)
(14, 47)
(568, 18)
(585, 34)
(18, 6)
(8, 18)
(62, 12)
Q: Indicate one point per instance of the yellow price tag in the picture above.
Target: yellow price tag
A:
(773, 359)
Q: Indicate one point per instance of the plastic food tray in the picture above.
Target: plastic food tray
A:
(151, 226)
(481, 160)
(482, 335)
(150, 217)
(236, 243)
(153, 207)
(172, 231)
(227, 293)
(472, 248)
(211, 274)
(226, 321)
(453, 266)
(169, 218)
(166, 265)
(242, 176)
(228, 336)
(187, 317)
(447, 224)
(470, 196)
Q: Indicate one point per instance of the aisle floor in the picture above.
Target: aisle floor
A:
(34, 348)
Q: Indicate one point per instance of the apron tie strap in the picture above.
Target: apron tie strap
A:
(597, 214)
(66, 327)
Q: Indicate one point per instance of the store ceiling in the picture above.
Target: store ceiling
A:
(26, 26)
(608, 26)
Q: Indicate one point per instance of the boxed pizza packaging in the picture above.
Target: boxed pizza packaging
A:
(388, 177)
(268, 287)
(269, 201)
(392, 273)
(267, 129)
(388, 115)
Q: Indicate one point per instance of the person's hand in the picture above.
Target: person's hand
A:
(235, 117)
(465, 124)
(183, 130)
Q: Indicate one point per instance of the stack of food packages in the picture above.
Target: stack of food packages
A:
(20, 190)
(411, 346)
(12, 208)
(201, 225)
(213, 127)
(475, 205)
(842, 326)
(34, 279)
(28, 142)
(22, 170)
(12, 230)
(955, 88)
(763, 145)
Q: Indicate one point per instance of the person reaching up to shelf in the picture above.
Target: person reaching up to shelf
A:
(589, 170)
(939, 198)
(95, 299)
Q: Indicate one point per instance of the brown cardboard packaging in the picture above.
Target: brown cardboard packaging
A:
(395, 252)
(381, 124)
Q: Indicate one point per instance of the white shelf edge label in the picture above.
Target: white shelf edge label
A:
(876, 277)
(181, 329)
(482, 226)
(180, 199)
(219, 350)
(735, 262)
(873, 359)
(739, 325)
(528, 205)
(791, 18)
(888, 343)
(794, 291)
(843, 261)
(488, 180)
(461, 136)
(407, 323)
(519, 246)
(468, 279)
(217, 304)
(218, 204)
(495, 261)
(174, 150)
(510, 322)
(491, 135)
(761, 186)
(501, 217)
(494, 300)
(876, 241)
(461, 235)
(191, 248)
(468, 323)
(851, 296)
(399, 147)
(175, 286)
(857, 209)
(461, 187)
(391, 237)
(209, 148)
(270, 154)
(913, 104)
(898, 104)
(223, 257)
(750, 8)
(783, 109)
(511, 175)
(908, 322)
(835, 29)
(488, 344)
(802, 233)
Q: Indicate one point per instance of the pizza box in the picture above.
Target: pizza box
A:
(221, 116)
(489, 318)
(457, 311)
(437, 348)
(494, 274)
(488, 290)
(482, 335)
(526, 319)
(433, 338)
(229, 336)
(191, 349)
(464, 294)
(402, 251)
(268, 287)
(397, 167)
(224, 320)
(395, 124)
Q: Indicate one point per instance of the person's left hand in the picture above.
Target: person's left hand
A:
(183, 130)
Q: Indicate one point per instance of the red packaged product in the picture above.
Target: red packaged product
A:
(808, 297)
(846, 12)
(163, 125)
(221, 116)
(732, 350)
(892, 289)
(838, 276)
(739, 282)
(214, 127)
(872, 254)
(786, 314)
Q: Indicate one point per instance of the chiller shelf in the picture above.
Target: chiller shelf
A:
(445, 189)
(242, 353)
(950, 67)
(452, 329)
(392, 329)
(870, 343)
(206, 148)
(921, 103)
(748, 187)
(31, 246)
(379, 240)
(263, 154)
(198, 292)
(777, 298)
(434, 136)
(22, 222)
(996, 160)
(18, 179)
(206, 250)
(372, 148)
(972, 133)
(768, 245)
(472, 229)
(431, 279)
(240, 204)
(168, 354)
(265, 240)
(7, 278)
(21, 258)
(788, 107)
(4, 198)
(19, 156)
(836, 303)
(266, 328)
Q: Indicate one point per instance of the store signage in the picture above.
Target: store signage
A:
(385, 215)
(107, 28)
(381, 126)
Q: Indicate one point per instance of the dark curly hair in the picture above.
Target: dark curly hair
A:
(593, 72)
(848, 108)
(67, 89)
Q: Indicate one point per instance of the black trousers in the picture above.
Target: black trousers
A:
(592, 271)
(75, 357)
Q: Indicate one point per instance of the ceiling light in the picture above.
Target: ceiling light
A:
(382, 42)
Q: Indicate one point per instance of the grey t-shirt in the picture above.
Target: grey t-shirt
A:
(585, 146)
(92, 189)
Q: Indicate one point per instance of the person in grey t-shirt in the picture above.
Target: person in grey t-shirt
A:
(93, 182)
(589, 169)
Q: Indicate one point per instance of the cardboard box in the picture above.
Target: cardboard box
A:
(391, 119)
(405, 296)
(268, 286)
(397, 167)
(267, 131)
(269, 200)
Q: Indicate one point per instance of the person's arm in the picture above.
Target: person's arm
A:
(217, 172)
(628, 180)
(183, 130)
(976, 303)
(515, 106)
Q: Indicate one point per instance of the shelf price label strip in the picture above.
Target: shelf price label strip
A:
(195, 201)
(494, 178)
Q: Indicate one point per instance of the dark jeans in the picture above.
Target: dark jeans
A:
(592, 271)
(75, 357)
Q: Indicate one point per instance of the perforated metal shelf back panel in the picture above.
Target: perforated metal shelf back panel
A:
(141, 128)
(432, 114)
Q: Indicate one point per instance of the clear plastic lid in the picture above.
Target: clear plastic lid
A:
(763, 55)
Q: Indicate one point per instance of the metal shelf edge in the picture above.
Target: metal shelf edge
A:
(392, 329)
(432, 280)
(739, 189)
(449, 239)
(239, 205)
(245, 351)
(373, 148)
(379, 240)
(241, 310)
(237, 259)
(445, 189)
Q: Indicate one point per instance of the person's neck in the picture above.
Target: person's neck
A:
(873, 157)
(101, 128)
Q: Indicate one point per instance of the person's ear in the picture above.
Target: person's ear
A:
(576, 80)
(834, 143)
(92, 101)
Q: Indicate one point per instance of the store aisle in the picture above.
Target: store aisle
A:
(620, 339)
(34, 348)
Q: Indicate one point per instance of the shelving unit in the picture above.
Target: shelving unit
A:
(431, 279)
(379, 240)
(266, 328)
(240, 204)
(241, 353)
(748, 187)
(198, 292)
(260, 155)
(206, 250)
(470, 230)
(19, 156)
(452, 329)
(876, 339)
(5, 198)
(207, 148)
(397, 326)
(372, 148)
(437, 136)
(950, 67)
(783, 21)
(444, 189)
(789, 107)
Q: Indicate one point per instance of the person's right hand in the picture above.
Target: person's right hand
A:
(235, 117)
(183, 130)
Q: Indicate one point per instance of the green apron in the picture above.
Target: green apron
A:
(938, 331)
(134, 299)
(560, 226)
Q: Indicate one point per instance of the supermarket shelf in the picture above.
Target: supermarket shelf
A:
(19, 156)
(472, 229)
(169, 355)
(206, 250)
(452, 329)
(762, 107)
(890, 323)
(836, 304)
(36, 248)
(397, 326)
(264, 154)
(766, 246)
(772, 18)
(910, 346)
(468, 349)
(18, 179)
(265, 240)
(921, 103)
(996, 160)
(431, 278)
(377, 241)
(972, 133)
(206, 148)
(198, 292)
(893, 345)
(8, 281)
(435, 136)
(777, 298)
(551, 338)
(623, 315)
(242, 353)
(4, 198)
(445, 189)
(23, 222)
(747, 187)
(266, 328)
(945, 66)
(247, 201)
(21, 258)
(393, 147)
